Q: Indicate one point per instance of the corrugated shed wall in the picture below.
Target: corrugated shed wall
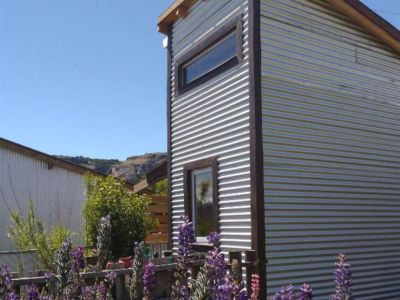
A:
(331, 136)
(57, 193)
(213, 120)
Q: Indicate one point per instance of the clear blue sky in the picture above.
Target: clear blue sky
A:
(88, 77)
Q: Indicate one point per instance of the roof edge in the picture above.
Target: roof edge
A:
(370, 20)
(52, 160)
(354, 9)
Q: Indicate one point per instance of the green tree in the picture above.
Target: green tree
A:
(129, 217)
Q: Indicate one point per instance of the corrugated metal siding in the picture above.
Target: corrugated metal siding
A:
(57, 193)
(213, 120)
(331, 95)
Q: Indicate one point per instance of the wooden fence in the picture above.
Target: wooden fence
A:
(164, 274)
(159, 210)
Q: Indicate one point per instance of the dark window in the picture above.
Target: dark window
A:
(201, 203)
(213, 58)
(219, 52)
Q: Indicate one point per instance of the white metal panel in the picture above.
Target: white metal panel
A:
(331, 134)
(213, 120)
(57, 193)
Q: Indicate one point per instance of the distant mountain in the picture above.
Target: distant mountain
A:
(132, 169)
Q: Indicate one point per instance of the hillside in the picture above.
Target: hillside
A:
(131, 169)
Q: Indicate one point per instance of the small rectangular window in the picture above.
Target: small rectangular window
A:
(200, 191)
(219, 52)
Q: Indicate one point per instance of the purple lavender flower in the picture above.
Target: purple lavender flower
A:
(12, 296)
(5, 280)
(32, 292)
(215, 266)
(110, 277)
(149, 280)
(285, 293)
(186, 237)
(343, 279)
(101, 291)
(255, 287)
(88, 292)
(49, 277)
(78, 260)
(306, 292)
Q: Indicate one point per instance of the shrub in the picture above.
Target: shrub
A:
(130, 220)
(28, 232)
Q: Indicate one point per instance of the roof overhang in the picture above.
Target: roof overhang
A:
(354, 9)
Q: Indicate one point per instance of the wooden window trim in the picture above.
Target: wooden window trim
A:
(187, 186)
(233, 25)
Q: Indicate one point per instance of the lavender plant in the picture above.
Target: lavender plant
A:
(135, 288)
(32, 292)
(343, 279)
(6, 290)
(103, 241)
(186, 237)
(63, 265)
(149, 280)
(285, 293)
(306, 292)
(215, 266)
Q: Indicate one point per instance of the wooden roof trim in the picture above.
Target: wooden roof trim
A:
(354, 9)
(371, 21)
(176, 11)
(51, 160)
(153, 176)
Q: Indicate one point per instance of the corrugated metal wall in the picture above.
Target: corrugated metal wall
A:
(57, 193)
(213, 120)
(331, 128)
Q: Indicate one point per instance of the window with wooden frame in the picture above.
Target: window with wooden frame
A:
(220, 51)
(201, 196)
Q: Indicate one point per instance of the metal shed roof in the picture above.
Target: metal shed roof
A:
(354, 9)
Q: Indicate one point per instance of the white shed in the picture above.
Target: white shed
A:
(284, 135)
(55, 186)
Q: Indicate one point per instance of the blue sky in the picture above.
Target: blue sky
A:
(88, 77)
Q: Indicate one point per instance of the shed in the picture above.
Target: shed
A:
(283, 135)
(55, 186)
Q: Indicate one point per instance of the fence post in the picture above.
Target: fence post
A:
(251, 260)
(237, 255)
(119, 287)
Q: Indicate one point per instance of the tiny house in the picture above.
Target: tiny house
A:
(284, 136)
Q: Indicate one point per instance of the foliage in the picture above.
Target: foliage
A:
(103, 241)
(180, 290)
(28, 232)
(160, 188)
(129, 217)
(201, 286)
(149, 280)
(135, 287)
(285, 293)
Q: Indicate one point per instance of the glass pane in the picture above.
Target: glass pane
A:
(203, 203)
(213, 58)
